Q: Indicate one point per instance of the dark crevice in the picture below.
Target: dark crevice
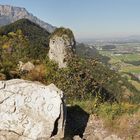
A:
(55, 130)
(4, 85)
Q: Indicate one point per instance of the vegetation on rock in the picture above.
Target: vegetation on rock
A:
(59, 32)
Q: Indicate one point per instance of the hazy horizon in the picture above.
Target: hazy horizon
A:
(87, 18)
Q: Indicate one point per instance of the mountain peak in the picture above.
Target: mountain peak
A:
(10, 7)
(10, 14)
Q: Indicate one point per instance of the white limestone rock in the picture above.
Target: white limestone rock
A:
(30, 111)
(27, 67)
(62, 44)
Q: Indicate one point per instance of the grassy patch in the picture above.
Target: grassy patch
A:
(122, 119)
(136, 84)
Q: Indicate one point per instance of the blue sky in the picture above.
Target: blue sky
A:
(87, 18)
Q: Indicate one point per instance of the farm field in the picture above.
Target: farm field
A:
(125, 63)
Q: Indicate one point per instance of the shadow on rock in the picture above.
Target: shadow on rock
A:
(76, 122)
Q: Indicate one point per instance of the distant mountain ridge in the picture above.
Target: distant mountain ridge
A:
(10, 14)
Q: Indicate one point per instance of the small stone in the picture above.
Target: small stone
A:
(27, 67)
(76, 138)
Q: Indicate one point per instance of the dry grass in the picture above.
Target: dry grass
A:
(129, 126)
(37, 74)
(120, 119)
(136, 84)
(126, 125)
(2, 76)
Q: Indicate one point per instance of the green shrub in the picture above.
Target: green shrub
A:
(85, 79)
(37, 38)
(111, 113)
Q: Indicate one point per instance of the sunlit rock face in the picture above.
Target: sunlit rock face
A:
(62, 44)
(30, 111)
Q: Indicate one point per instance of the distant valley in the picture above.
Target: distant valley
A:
(123, 58)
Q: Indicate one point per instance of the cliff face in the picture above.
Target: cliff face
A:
(10, 14)
(62, 44)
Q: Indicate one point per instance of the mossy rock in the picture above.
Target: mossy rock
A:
(60, 32)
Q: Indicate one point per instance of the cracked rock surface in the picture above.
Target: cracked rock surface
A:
(30, 111)
(62, 44)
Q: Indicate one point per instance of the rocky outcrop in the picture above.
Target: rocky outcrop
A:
(27, 67)
(62, 44)
(10, 14)
(30, 111)
(95, 130)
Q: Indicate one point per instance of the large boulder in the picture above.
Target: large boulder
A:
(62, 45)
(30, 111)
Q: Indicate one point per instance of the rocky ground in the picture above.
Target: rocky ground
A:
(82, 126)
